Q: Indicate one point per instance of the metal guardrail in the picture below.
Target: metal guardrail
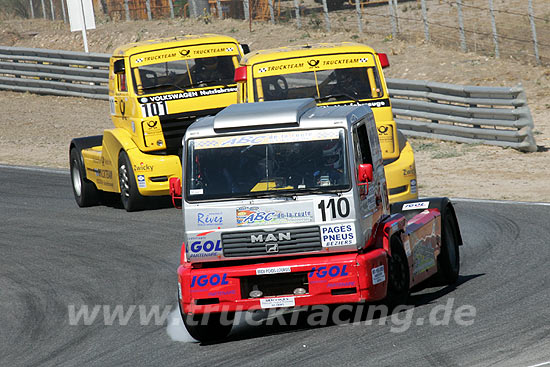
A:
(58, 72)
(467, 114)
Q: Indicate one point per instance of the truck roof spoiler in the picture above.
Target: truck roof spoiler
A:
(264, 114)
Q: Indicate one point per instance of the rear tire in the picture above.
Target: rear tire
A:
(85, 192)
(213, 330)
(130, 197)
(398, 275)
(449, 258)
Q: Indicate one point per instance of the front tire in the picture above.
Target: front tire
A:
(212, 329)
(130, 197)
(449, 258)
(398, 275)
(85, 192)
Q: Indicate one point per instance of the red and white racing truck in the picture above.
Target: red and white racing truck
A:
(285, 205)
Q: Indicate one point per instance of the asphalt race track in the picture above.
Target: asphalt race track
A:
(54, 255)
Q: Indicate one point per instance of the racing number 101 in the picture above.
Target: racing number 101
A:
(338, 209)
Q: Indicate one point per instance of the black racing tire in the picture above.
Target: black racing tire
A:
(84, 190)
(130, 197)
(212, 329)
(398, 274)
(449, 257)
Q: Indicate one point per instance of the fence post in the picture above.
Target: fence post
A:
(327, 19)
(63, 11)
(171, 9)
(534, 31)
(52, 9)
(359, 16)
(425, 20)
(297, 7)
(392, 20)
(396, 15)
(32, 9)
(271, 12)
(494, 26)
(219, 9)
(461, 26)
(148, 6)
(246, 10)
(127, 10)
(43, 9)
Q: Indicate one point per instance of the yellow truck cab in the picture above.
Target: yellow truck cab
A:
(157, 88)
(333, 74)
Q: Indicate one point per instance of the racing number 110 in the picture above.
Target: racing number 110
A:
(337, 209)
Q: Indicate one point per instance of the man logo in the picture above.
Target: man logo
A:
(271, 248)
(313, 63)
(270, 237)
(184, 52)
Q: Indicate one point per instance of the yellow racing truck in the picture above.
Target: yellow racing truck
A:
(334, 74)
(157, 89)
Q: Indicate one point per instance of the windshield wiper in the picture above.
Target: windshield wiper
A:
(340, 95)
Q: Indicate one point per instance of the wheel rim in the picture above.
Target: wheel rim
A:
(124, 182)
(77, 184)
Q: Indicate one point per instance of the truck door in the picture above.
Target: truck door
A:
(119, 91)
(373, 198)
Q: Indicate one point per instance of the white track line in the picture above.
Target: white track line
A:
(499, 202)
(58, 171)
(540, 364)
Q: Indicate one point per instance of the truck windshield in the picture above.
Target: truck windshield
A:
(333, 85)
(183, 74)
(278, 163)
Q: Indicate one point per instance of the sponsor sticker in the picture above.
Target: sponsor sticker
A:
(274, 270)
(200, 247)
(141, 181)
(413, 186)
(209, 219)
(414, 206)
(254, 215)
(378, 275)
(338, 235)
(277, 302)
(269, 138)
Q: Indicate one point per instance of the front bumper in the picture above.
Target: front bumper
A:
(347, 278)
(153, 172)
(401, 176)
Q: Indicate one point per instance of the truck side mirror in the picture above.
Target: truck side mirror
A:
(118, 66)
(384, 61)
(175, 190)
(240, 74)
(364, 174)
(246, 49)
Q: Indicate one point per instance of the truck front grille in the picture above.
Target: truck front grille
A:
(258, 243)
(175, 125)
